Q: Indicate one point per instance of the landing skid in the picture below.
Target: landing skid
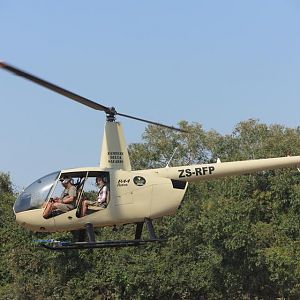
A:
(91, 243)
(57, 245)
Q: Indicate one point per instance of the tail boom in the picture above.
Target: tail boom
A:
(218, 170)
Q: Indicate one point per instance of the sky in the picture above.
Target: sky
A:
(212, 62)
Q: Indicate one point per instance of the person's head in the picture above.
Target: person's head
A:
(100, 180)
(66, 181)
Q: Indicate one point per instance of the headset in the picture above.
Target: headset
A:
(65, 180)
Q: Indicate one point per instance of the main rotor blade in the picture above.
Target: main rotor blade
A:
(75, 97)
(151, 122)
(54, 87)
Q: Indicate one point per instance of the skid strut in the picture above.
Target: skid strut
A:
(91, 243)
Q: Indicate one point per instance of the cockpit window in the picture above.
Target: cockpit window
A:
(35, 195)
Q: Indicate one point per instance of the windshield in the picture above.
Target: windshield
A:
(36, 194)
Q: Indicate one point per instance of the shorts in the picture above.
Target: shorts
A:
(65, 207)
(96, 203)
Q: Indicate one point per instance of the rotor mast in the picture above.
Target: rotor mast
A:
(114, 153)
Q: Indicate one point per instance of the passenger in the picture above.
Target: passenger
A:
(101, 199)
(67, 200)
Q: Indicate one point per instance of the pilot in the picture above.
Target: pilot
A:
(101, 199)
(67, 200)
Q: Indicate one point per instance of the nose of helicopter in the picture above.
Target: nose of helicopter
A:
(33, 220)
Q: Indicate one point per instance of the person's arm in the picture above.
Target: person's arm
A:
(67, 199)
(70, 198)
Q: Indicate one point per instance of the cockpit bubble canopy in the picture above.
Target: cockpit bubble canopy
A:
(35, 195)
(39, 192)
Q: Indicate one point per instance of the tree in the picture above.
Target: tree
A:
(5, 184)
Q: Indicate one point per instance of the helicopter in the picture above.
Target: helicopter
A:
(134, 196)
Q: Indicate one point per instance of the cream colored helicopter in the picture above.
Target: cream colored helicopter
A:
(135, 197)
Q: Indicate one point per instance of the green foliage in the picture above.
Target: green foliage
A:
(161, 143)
(5, 183)
(235, 238)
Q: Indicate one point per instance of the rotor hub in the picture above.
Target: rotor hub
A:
(111, 115)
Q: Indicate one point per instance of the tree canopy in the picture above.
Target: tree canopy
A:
(236, 238)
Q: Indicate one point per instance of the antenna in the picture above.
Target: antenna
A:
(167, 166)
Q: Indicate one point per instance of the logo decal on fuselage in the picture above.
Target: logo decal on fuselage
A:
(139, 180)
